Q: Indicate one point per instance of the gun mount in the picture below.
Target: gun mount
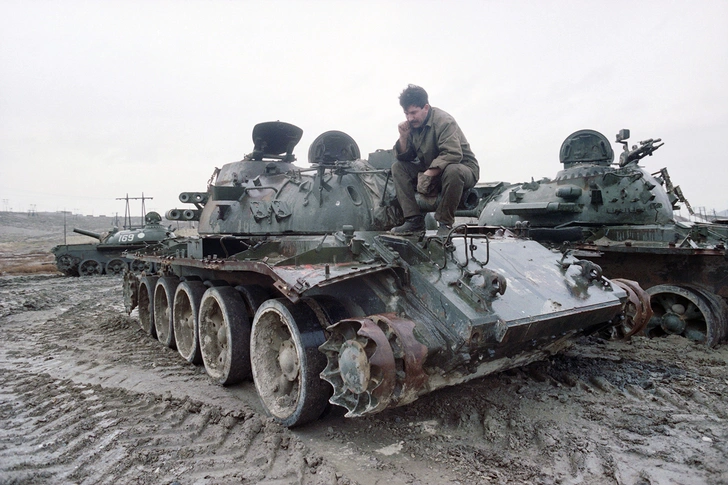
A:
(638, 152)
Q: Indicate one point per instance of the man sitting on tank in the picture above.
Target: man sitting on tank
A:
(433, 157)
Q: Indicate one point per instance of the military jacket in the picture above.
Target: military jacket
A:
(438, 143)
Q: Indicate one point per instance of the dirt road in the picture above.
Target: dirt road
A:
(87, 397)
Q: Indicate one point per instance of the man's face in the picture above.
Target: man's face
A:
(416, 116)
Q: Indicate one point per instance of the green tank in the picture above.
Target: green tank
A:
(105, 257)
(621, 216)
(296, 283)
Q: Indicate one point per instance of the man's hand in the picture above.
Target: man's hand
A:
(404, 131)
(433, 172)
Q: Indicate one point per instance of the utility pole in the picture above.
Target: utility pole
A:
(64, 226)
(127, 212)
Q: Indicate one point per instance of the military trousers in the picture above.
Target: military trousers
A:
(455, 178)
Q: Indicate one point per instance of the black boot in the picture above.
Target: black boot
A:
(412, 225)
(443, 229)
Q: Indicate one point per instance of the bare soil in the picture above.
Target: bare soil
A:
(87, 397)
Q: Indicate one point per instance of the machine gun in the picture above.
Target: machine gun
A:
(644, 149)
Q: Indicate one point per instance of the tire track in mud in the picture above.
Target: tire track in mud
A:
(59, 431)
(91, 339)
(664, 421)
(125, 415)
(576, 418)
(647, 412)
(21, 293)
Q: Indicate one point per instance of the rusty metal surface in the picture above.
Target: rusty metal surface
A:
(638, 310)
(709, 271)
(361, 366)
(409, 354)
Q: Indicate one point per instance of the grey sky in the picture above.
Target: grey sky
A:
(100, 99)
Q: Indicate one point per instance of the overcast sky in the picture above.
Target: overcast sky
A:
(100, 99)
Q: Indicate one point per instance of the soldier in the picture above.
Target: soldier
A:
(433, 156)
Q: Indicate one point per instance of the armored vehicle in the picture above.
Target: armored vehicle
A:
(294, 281)
(105, 257)
(622, 216)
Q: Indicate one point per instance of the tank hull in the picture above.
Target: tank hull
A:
(455, 310)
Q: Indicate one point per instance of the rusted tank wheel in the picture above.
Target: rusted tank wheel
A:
(286, 362)
(691, 312)
(131, 291)
(224, 332)
(185, 312)
(90, 267)
(361, 366)
(116, 267)
(637, 311)
(163, 305)
(146, 304)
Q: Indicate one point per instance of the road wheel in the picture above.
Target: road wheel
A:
(163, 305)
(138, 266)
(185, 311)
(67, 264)
(90, 267)
(224, 330)
(692, 312)
(286, 362)
(146, 304)
(116, 267)
(253, 296)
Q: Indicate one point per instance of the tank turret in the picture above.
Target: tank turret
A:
(589, 191)
(621, 216)
(296, 283)
(266, 194)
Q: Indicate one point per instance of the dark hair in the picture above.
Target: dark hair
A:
(413, 96)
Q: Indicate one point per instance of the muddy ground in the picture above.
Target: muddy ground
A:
(87, 397)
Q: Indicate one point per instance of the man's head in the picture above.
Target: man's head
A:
(415, 105)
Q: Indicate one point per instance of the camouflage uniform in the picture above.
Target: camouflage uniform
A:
(439, 143)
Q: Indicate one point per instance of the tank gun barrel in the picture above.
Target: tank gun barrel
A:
(88, 233)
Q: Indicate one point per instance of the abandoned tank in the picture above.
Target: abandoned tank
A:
(105, 257)
(296, 282)
(621, 216)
